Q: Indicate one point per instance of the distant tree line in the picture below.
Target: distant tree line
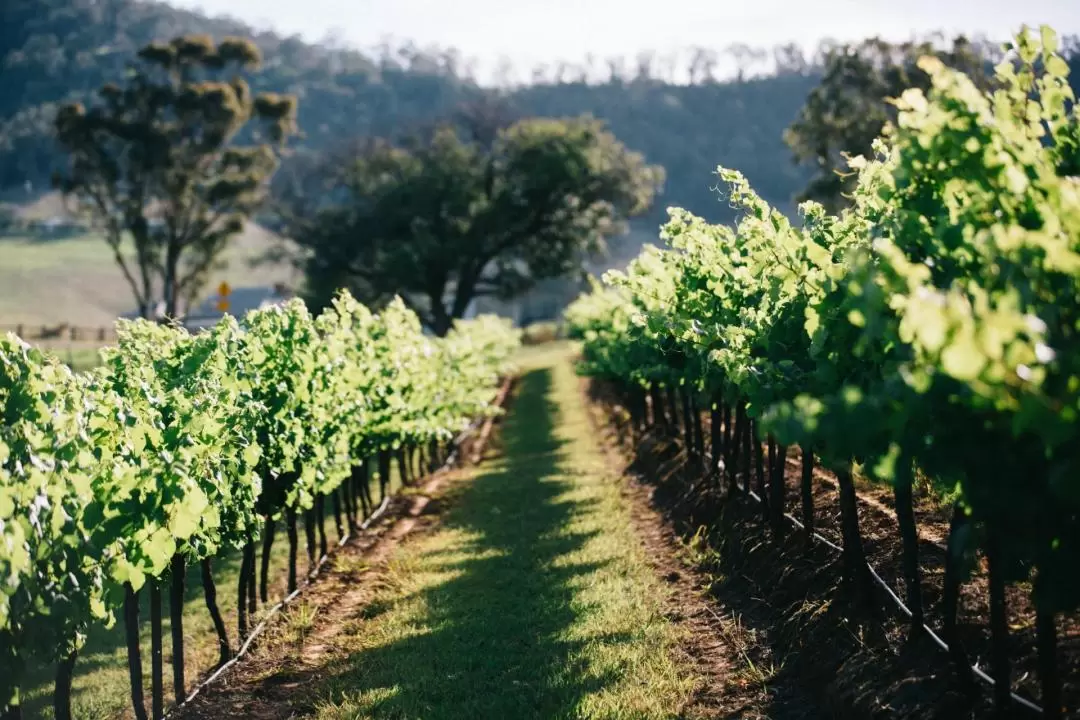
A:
(169, 163)
(687, 112)
(407, 177)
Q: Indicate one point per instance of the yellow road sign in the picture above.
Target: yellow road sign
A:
(223, 297)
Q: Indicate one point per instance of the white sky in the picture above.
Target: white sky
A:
(529, 32)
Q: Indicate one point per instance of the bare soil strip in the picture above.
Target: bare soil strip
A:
(856, 665)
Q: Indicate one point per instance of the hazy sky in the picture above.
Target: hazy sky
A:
(535, 31)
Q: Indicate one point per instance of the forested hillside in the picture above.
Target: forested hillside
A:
(55, 50)
(690, 129)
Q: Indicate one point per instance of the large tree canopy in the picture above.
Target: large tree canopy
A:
(154, 162)
(466, 210)
(845, 113)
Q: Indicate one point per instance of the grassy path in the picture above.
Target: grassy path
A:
(531, 598)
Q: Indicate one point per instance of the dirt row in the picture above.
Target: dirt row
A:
(741, 676)
(860, 665)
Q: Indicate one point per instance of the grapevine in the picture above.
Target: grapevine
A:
(183, 446)
(933, 326)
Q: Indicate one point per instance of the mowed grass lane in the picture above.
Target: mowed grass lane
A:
(532, 598)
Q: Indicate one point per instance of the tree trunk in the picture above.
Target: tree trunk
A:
(747, 447)
(176, 626)
(905, 515)
(433, 456)
(384, 474)
(699, 433)
(673, 412)
(441, 322)
(65, 671)
(950, 599)
(309, 537)
(403, 468)
(252, 579)
(1046, 640)
(1001, 664)
(335, 498)
(171, 281)
(736, 418)
(210, 593)
(778, 487)
(267, 545)
(643, 409)
(157, 680)
(348, 492)
(241, 597)
(659, 415)
(856, 570)
(729, 445)
(320, 519)
(351, 497)
(342, 494)
(363, 487)
(759, 461)
(627, 401)
(770, 470)
(715, 435)
(687, 424)
(290, 524)
(807, 487)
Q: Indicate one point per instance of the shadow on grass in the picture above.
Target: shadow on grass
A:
(492, 641)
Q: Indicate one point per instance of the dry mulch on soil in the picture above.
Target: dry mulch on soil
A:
(858, 664)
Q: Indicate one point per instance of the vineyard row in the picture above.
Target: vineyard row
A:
(932, 327)
(184, 447)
